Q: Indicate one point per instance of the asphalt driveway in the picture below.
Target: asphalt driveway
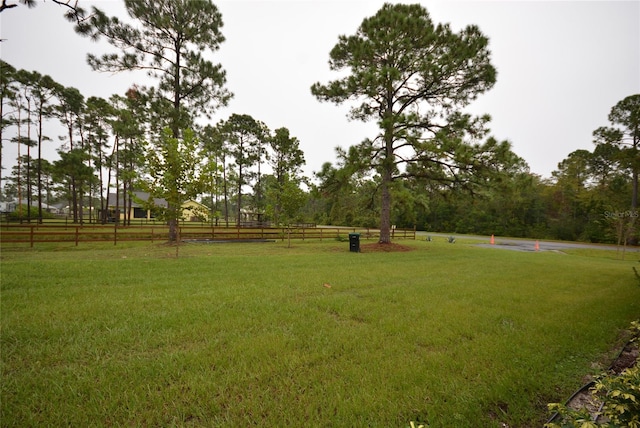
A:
(517, 244)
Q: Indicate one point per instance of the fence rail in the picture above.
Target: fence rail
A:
(42, 233)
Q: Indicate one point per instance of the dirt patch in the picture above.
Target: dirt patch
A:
(584, 399)
(627, 358)
(384, 248)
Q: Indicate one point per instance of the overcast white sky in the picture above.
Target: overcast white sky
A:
(561, 66)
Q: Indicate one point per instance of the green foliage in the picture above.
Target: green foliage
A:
(570, 418)
(621, 142)
(21, 213)
(72, 167)
(619, 395)
(173, 173)
(213, 148)
(284, 196)
(171, 41)
(286, 199)
(244, 137)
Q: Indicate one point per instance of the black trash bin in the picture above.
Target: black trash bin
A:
(354, 242)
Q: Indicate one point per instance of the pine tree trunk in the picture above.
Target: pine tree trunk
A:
(387, 174)
(225, 191)
(239, 207)
(385, 210)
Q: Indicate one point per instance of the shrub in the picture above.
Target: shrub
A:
(22, 212)
(619, 395)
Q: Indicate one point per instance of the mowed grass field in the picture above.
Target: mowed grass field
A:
(449, 335)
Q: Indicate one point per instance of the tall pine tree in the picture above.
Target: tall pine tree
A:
(413, 78)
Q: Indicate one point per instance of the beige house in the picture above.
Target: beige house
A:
(191, 210)
(195, 211)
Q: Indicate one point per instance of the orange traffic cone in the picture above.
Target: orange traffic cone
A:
(493, 241)
(537, 246)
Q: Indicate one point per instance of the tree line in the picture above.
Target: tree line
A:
(432, 165)
(110, 145)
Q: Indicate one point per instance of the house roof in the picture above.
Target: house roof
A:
(144, 196)
(196, 203)
(15, 203)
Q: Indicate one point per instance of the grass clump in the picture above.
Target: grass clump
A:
(236, 334)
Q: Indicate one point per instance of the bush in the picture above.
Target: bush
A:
(21, 212)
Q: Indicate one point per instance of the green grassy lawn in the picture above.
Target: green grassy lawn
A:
(248, 334)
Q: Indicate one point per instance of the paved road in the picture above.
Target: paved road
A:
(528, 244)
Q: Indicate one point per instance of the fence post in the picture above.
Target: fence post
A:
(31, 237)
(77, 235)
